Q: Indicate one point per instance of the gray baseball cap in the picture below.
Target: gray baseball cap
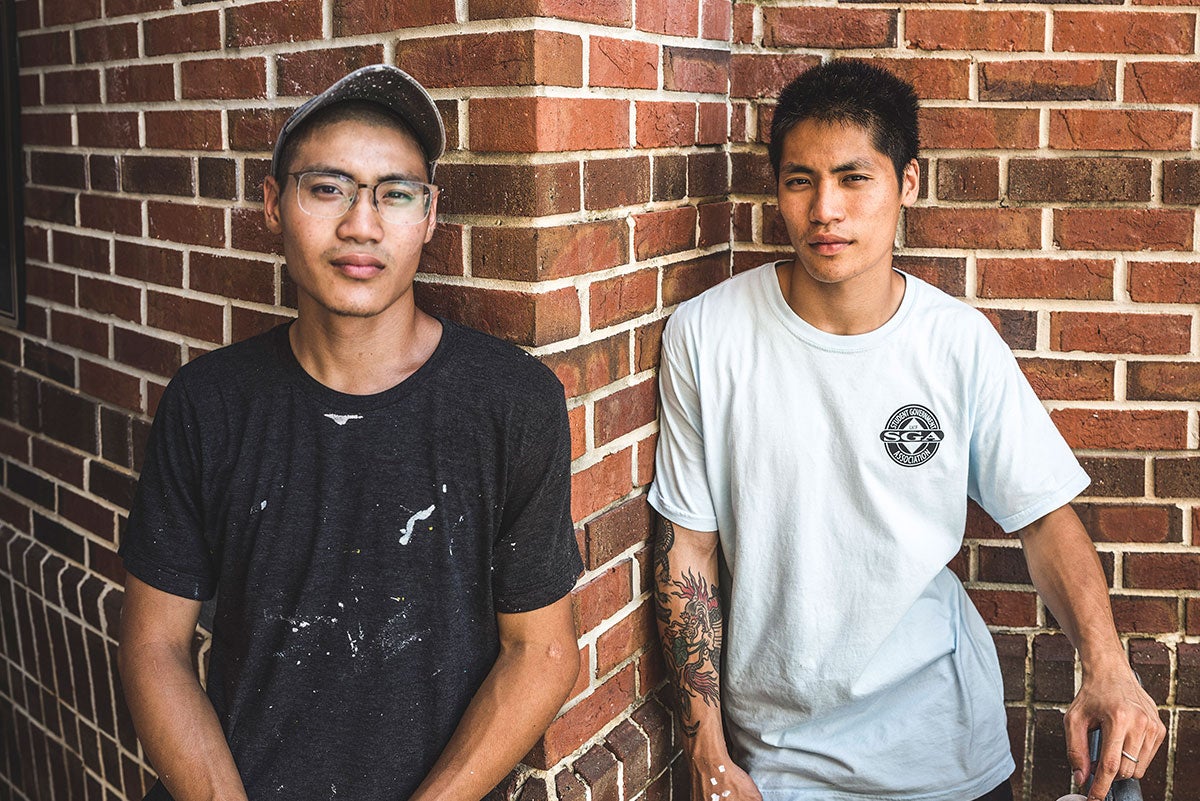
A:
(390, 87)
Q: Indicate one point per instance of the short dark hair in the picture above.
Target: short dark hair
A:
(849, 91)
(350, 110)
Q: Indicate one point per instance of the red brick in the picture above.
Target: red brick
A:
(714, 224)
(184, 130)
(246, 323)
(1134, 522)
(979, 128)
(84, 252)
(79, 332)
(50, 284)
(644, 463)
(617, 530)
(611, 183)
(658, 233)
(522, 317)
(1075, 279)
(586, 368)
(157, 175)
(932, 78)
(808, 26)
(743, 23)
(47, 49)
(948, 275)
(71, 86)
(118, 215)
(676, 17)
(1047, 80)
(520, 190)
(353, 17)
(595, 487)
(443, 255)
(1114, 477)
(105, 297)
(1053, 668)
(545, 124)
(1162, 82)
(631, 747)
(601, 771)
(1177, 478)
(151, 264)
(239, 279)
(256, 128)
(628, 636)
(716, 23)
(581, 722)
(1181, 183)
(708, 174)
(670, 176)
(616, 12)
(84, 512)
(113, 386)
(1145, 615)
(1018, 229)
(538, 254)
(648, 340)
(1193, 622)
(622, 63)
(1067, 180)
(942, 29)
(1005, 608)
(602, 597)
(1094, 129)
(187, 223)
(1164, 282)
(713, 124)
(224, 78)
(505, 58)
(52, 130)
(625, 410)
(115, 8)
(140, 83)
(1113, 429)
(968, 179)
(1060, 379)
(1136, 32)
(62, 12)
(1123, 229)
(183, 33)
(248, 25)
(756, 75)
(187, 316)
(665, 124)
(306, 72)
(1100, 332)
(686, 279)
(687, 69)
(622, 297)
(159, 356)
(1162, 571)
(1163, 381)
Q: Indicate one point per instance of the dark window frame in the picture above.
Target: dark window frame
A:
(12, 177)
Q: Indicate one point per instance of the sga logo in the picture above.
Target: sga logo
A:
(912, 435)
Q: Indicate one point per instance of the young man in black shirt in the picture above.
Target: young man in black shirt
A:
(378, 500)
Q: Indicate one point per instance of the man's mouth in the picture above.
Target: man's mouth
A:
(828, 245)
(358, 265)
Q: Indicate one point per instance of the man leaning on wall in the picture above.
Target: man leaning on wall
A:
(377, 498)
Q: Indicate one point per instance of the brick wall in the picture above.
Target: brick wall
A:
(606, 163)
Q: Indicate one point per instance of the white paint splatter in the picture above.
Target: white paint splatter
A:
(713, 781)
(342, 419)
(412, 521)
(443, 489)
(720, 768)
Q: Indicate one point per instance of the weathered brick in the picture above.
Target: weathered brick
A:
(670, 177)
(1123, 229)
(658, 233)
(810, 26)
(1111, 429)
(611, 183)
(1163, 381)
(538, 254)
(187, 316)
(46, 49)
(758, 75)
(946, 29)
(626, 637)
(183, 130)
(187, 223)
(625, 410)
(157, 175)
(1102, 129)
(947, 274)
(979, 128)
(1132, 522)
(353, 17)
(1162, 82)
(1099, 180)
(1114, 476)
(155, 355)
(1061, 379)
(597, 486)
(1101, 332)
(622, 63)
(665, 123)
(248, 25)
(525, 190)
(630, 745)
(1005, 608)
(689, 69)
(1181, 182)
(684, 280)
(148, 263)
(224, 78)
(968, 179)
(183, 33)
(525, 318)
(617, 530)
(112, 386)
(599, 768)
(1163, 571)
(1145, 615)
(543, 124)
(1079, 279)
(1053, 668)
(1124, 32)
(972, 228)
(1177, 477)
(504, 58)
(579, 723)
(1187, 690)
(622, 297)
(600, 598)
(675, 17)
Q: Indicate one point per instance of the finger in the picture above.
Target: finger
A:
(1107, 766)
(1131, 760)
(1150, 743)
(1077, 747)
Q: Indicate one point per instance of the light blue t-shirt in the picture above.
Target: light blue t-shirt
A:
(837, 471)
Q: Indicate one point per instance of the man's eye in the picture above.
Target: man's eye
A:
(327, 190)
(398, 195)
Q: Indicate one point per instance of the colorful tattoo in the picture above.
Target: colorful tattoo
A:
(691, 635)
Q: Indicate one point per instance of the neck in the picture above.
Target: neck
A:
(856, 306)
(363, 355)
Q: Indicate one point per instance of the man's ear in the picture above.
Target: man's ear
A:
(910, 183)
(431, 220)
(271, 199)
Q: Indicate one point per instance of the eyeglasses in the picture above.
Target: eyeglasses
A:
(331, 195)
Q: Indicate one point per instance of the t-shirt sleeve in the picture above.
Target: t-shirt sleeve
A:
(164, 543)
(1021, 468)
(535, 559)
(680, 491)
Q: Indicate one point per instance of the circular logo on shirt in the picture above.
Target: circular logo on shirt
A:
(912, 435)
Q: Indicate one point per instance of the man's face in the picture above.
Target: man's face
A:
(355, 265)
(840, 200)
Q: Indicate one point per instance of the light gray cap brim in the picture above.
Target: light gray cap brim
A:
(388, 86)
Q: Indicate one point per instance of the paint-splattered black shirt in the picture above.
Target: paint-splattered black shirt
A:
(359, 548)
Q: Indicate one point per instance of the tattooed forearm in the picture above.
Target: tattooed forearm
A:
(690, 622)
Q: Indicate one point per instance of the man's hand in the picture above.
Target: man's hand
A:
(1131, 731)
(721, 780)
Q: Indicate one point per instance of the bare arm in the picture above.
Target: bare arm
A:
(1067, 574)
(536, 669)
(174, 719)
(690, 624)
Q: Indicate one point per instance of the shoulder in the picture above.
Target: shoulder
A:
(212, 379)
(935, 309)
(499, 369)
(718, 307)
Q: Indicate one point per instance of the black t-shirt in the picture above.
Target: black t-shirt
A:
(359, 548)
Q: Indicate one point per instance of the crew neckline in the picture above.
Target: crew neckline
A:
(844, 343)
(345, 402)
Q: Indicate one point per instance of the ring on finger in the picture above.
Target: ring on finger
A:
(1129, 756)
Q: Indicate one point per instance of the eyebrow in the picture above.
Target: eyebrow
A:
(395, 176)
(853, 165)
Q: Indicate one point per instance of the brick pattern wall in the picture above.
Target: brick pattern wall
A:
(606, 162)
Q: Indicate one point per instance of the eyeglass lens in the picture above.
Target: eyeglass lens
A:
(331, 195)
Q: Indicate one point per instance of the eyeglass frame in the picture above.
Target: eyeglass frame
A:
(431, 192)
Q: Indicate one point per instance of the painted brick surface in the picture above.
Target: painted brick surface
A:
(606, 162)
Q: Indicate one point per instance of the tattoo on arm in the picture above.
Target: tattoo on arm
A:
(691, 633)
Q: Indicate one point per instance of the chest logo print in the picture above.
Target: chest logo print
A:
(912, 435)
(342, 419)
